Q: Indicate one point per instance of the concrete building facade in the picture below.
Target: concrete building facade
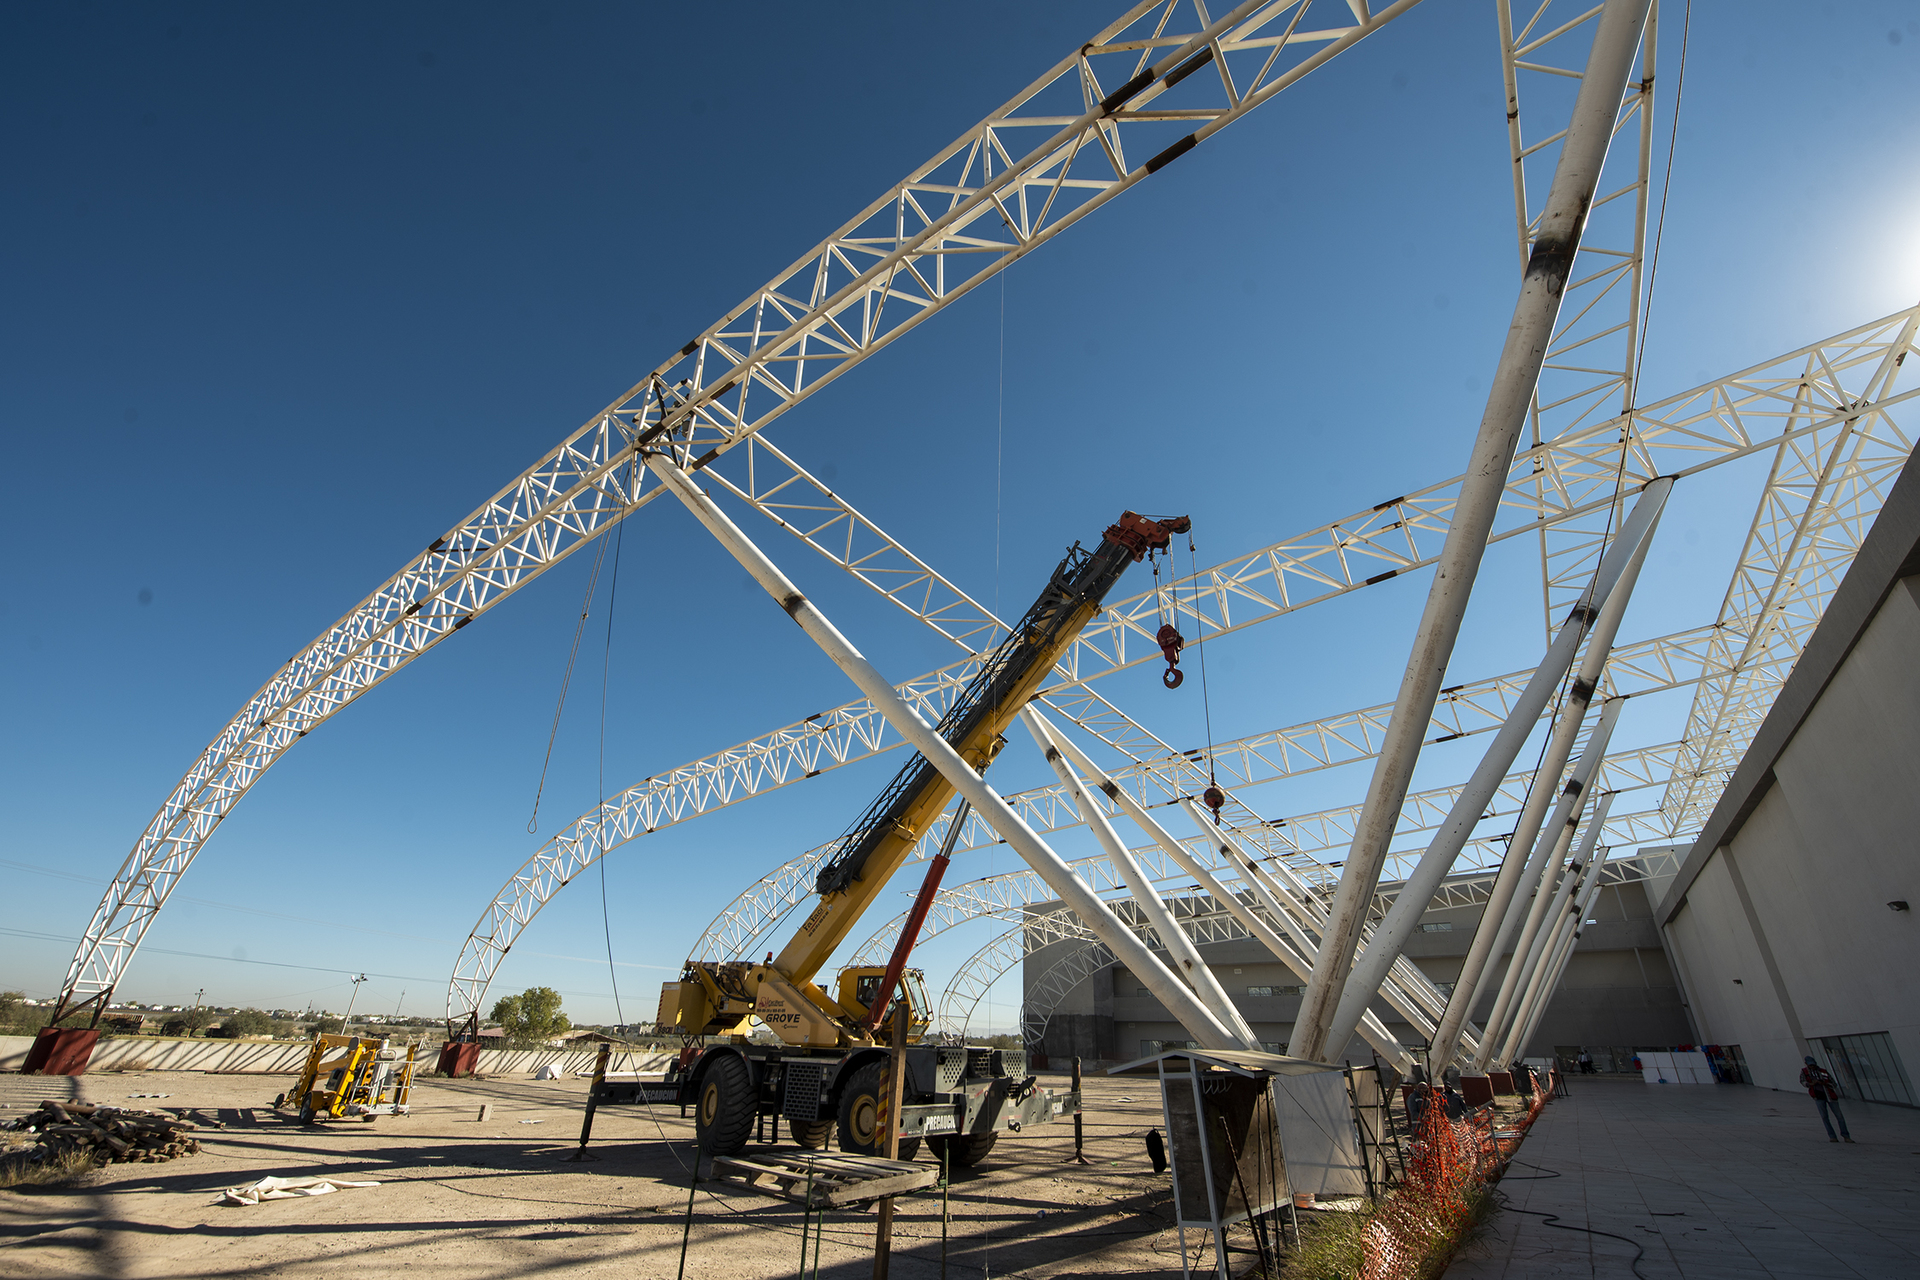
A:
(1792, 917)
(1619, 994)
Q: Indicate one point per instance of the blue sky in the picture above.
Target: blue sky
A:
(290, 291)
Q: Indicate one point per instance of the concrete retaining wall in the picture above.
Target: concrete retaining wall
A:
(286, 1056)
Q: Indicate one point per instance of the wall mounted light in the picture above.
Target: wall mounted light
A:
(1738, 983)
(1898, 904)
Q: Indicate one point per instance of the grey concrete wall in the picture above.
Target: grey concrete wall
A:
(269, 1057)
(1618, 990)
(1784, 931)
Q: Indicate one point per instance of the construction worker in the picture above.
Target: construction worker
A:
(1815, 1080)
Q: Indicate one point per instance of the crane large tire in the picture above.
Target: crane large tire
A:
(860, 1116)
(724, 1117)
(810, 1135)
(962, 1151)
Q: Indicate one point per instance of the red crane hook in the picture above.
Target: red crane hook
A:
(1213, 798)
(1171, 642)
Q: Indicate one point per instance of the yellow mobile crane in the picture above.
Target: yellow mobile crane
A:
(828, 1072)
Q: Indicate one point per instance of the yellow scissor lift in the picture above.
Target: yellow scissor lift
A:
(365, 1079)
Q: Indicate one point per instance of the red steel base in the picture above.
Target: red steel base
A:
(60, 1051)
(458, 1059)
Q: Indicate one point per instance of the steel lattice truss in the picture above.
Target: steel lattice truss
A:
(1827, 484)
(1200, 918)
(1092, 127)
(1590, 368)
(1767, 407)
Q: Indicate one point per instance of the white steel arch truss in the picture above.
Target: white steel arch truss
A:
(1152, 85)
(1771, 406)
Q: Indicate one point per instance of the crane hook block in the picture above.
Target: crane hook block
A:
(1171, 642)
(1213, 798)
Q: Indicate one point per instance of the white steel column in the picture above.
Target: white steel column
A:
(1398, 990)
(1555, 840)
(1563, 218)
(1546, 944)
(1497, 929)
(1390, 938)
(1300, 962)
(1501, 916)
(1074, 893)
(1562, 955)
(1532, 949)
(1188, 963)
(1499, 920)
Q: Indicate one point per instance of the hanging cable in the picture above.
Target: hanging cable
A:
(566, 680)
(1213, 797)
(606, 668)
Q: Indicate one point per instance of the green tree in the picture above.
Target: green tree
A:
(329, 1026)
(531, 1018)
(196, 1018)
(248, 1022)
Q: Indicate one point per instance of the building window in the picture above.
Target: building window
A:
(1444, 988)
(1139, 991)
(1259, 991)
(1867, 1067)
(1438, 926)
(1277, 991)
(1150, 1047)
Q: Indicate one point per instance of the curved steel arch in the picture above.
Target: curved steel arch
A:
(1049, 156)
(1038, 930)
(1796, 397)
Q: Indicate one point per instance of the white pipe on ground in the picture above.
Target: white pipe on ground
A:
(1073, 892)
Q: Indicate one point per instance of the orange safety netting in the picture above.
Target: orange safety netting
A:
(1415, 1229)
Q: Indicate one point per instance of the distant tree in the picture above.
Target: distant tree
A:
(328, 1026)
(197, 1018)
(531, 1018)
(248, 1022)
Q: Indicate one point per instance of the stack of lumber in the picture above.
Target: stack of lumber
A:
(110, 1134)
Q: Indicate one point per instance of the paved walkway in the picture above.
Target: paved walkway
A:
(1712, 1181)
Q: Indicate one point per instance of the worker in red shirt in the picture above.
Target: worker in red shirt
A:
(1815, 1080)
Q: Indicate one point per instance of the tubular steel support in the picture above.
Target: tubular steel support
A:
(1390, 938)
(1550, 894)
(1499, 920)
(1568, 935)
(1500, 916)
(1582, 156)
(1546, 943)
(1299, 961)
(1192, 1015)
(1188, 963)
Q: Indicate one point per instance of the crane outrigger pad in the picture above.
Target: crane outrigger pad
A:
(821, 1181)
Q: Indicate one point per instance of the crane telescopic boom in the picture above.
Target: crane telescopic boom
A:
(718, 998)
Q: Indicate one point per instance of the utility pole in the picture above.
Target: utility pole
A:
(397, 1003)
(346, 1023)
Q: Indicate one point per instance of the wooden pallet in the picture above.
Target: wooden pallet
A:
(824, 1180)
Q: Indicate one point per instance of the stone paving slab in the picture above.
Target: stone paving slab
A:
(1711, 1182)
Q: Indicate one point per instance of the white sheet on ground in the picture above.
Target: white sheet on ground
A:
(286, 1189)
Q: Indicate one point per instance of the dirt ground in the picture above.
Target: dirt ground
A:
(458, 1197)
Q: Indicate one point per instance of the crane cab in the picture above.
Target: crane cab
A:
(860, 984)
